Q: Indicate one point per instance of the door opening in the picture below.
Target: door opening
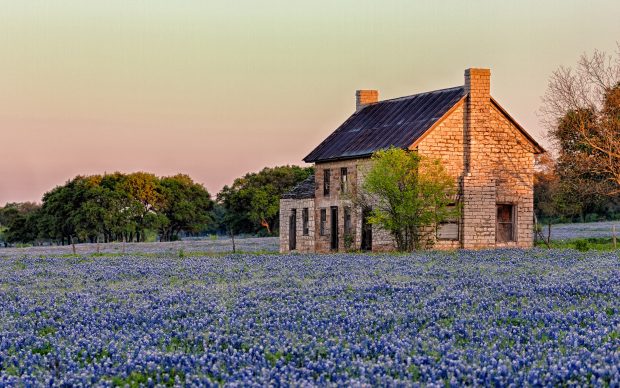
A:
(505, 229)
(366, 230)
(292, 230)
(334, 228)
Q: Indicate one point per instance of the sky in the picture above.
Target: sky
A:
(216, 89)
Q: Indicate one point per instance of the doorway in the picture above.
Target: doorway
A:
(505, 229)
(366, 230)
(292, 230)
(334, 228)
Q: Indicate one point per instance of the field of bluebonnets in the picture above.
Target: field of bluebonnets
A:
(176, 317)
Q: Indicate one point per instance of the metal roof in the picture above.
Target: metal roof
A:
(397, 122)
(303, 190)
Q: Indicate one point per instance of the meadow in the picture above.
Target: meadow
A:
(189, 317)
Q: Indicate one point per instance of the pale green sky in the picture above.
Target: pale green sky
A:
(217, 89)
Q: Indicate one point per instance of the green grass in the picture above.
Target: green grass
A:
(583, 244)
(43, 350)
(140, 379)
(47, 330)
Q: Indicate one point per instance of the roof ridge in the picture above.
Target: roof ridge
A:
(420, 94)
(398, 122)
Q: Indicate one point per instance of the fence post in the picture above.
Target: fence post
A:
(613, 233)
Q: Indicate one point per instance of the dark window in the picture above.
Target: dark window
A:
(344, 184)
(448, 229)
(347, 221)
(323, 221)
(304, 219)
(326, 178)
(505, 223)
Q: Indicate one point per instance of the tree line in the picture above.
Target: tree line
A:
(131, 207)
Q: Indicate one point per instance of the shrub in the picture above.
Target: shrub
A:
(582, 245)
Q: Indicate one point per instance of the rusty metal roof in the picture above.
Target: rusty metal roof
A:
(397, 122)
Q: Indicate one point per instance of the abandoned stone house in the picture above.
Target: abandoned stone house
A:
(490, 156)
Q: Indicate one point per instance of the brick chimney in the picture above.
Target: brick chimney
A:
(365, 97)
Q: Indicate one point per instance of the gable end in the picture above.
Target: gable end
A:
(538, 149)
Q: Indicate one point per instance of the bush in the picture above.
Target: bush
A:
(582, 245)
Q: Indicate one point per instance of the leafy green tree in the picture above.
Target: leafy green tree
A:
(143, 189)
(217, 222)
(122, 207)
(18, 222)
(185, 206)
(409, 195)
(253, 201)
(57, 212)
(119, 222)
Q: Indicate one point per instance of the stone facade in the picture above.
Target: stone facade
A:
(304, 242)
(490, 157)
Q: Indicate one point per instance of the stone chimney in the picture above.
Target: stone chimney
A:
(479, 190)
(365, 97)
(478, 88)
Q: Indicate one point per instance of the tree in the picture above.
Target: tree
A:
(122, 210)
(143, 189)
(553, 198)
(409, 195)
(581, 109)
(57, 210)
(185, 206)
(18, 222)
(253, 201)
(122, 207)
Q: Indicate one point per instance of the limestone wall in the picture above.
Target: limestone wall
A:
(337, 198)
(492, 162)
(446, 142)
(513, 168)
(356, 168)
(498, 169)
(305, 243)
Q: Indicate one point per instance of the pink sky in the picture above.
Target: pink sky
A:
(216, 90)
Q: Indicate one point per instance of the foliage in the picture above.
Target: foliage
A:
(409, 195)
(558, 200)
(114, 207)
(252, 202)
(552, 198)
(582, 111)
(585, 244)
(185, 206)
(485, 318)
(18, 222)
(128, 207)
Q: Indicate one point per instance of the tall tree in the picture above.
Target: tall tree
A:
(581, 108)
(57, 212)
(143, 189)
(409, 195)
(185, 206)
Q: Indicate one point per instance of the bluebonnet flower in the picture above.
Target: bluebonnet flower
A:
(498, 317)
